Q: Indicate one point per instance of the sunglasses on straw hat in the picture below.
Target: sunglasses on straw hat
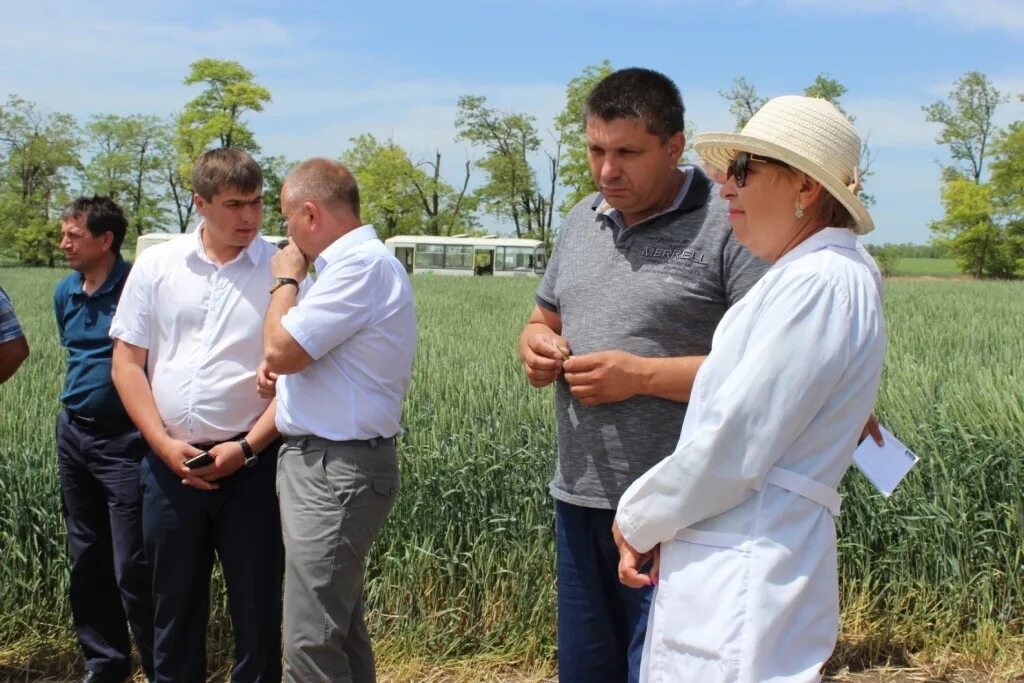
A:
(738, 166)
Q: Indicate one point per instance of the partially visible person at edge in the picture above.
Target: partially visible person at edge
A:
(187, 347)
(642, 273)
(738, 520)
(13, 345)
(344, 354)
(98, 452)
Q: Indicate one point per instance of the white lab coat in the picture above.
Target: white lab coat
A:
(743, 508)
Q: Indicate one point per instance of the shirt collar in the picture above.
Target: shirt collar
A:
(114, 277)
(841, 238)
(693, 194)
(251, 251)
(353, 238)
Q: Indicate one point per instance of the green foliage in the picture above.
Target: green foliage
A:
(511, 190)
(908, 250)
(275, 169)
(967, 121)
(827, 89)
(178, 155)
(214, 118)
(215, 115)
(886, 257)
(744, 103)
(126, 165)
(465, 564)
(447, 211)
(387, 190)
(38, 151)
(969, 228)
(575, 166)
(37, 243)
(1007, 173)
(743, 100)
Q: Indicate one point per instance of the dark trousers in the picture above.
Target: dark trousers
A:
(109, 587)
(183, 528)
(601, 623)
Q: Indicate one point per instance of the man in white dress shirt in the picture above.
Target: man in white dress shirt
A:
(187, 347)
(344, 352)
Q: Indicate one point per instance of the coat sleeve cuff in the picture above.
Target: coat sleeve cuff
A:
(642, 542)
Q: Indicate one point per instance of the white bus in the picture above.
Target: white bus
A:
(462, 255)
(153, 238)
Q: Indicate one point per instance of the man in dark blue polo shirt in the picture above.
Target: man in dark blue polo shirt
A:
(98, 452)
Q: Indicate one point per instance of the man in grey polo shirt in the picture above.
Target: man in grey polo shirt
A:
(641, 275)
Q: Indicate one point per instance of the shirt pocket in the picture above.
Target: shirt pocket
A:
(701, 604)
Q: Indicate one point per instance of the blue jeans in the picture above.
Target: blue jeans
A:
(109, 585)
(601, 623)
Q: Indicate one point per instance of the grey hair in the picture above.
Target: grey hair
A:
(324, 181)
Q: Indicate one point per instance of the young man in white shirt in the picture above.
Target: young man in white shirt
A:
(187, 346)
(344, 352)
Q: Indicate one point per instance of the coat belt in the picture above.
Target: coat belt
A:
(806, 487)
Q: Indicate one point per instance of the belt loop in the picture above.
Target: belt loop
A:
(373, 442)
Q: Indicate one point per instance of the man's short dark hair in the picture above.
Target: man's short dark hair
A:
(225, 167)
(102, 215)
(640, 95)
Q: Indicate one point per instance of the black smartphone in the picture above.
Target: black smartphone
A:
(201, 460)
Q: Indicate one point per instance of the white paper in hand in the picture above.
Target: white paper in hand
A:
(884, 466)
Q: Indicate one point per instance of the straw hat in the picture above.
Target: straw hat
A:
(807, 133)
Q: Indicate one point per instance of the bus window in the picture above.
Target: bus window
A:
(518, 258)
(430, 256)
(459, 256)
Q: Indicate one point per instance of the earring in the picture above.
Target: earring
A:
(799, 213)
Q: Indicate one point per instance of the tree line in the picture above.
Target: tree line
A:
(144, 163)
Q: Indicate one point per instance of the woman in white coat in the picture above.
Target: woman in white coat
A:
(738, 520)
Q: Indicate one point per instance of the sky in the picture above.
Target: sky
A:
(396, 69)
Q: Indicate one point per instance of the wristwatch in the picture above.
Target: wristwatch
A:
(282, 281)
(250, 458)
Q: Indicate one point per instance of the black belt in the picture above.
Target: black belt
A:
(372, 443)
(101, 424)
(210, 444)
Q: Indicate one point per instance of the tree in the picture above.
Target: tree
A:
(828, 89)
(832, 90)
(886, 257)
(967, 121)
(212, 118)
(1007, 187)
(574, 171)
(275, 170)
(215, 115)
(179, 150)
(37, 151)
(1007, 173)
(387, 186)
(971, 231)
(446, 209)
(743, 100)
(511, 190)
(126, 166)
